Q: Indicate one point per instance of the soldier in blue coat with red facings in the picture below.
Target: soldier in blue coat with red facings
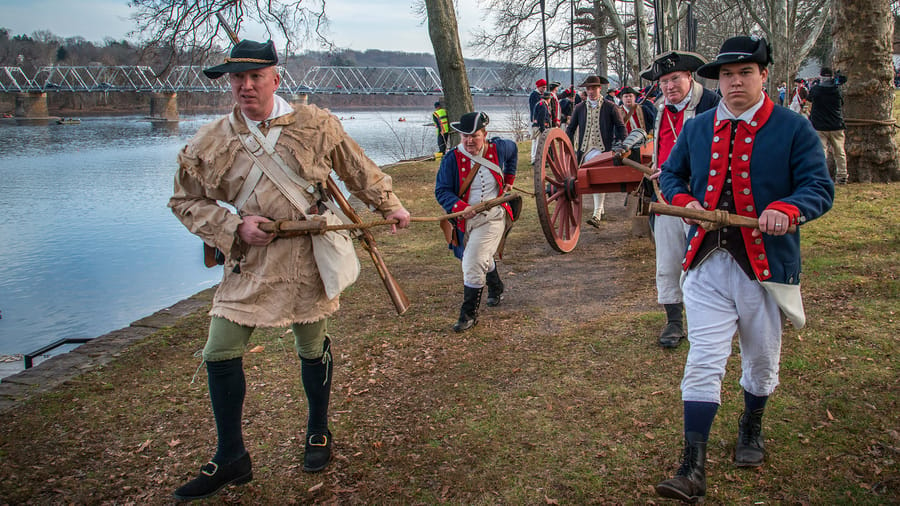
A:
(750, 158)
(476, 170)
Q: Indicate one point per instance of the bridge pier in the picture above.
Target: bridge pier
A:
(300, 98)
(31, 108)
(164, 106)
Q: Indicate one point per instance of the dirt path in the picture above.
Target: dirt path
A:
(578, 286)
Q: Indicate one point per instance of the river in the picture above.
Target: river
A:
(88, 244)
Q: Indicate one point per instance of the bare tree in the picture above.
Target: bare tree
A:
(190, 26)
(599, 26)
(792, 27)
(444, 33)
(863, 31)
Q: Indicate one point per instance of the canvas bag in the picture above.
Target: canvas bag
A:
(334, 252)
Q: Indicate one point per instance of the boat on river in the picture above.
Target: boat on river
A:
(68, 121)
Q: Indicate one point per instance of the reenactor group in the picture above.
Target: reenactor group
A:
(734, 151)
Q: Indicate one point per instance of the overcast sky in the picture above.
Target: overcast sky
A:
(355, 24)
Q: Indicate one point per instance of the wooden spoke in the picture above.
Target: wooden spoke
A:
(558, 204)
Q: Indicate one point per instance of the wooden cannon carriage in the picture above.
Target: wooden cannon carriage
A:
(560, 183)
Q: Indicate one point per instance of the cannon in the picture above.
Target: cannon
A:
(560, 182)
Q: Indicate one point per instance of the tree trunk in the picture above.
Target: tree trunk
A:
(643, 48)
(863, 31)
(444, 35)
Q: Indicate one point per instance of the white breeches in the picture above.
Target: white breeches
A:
(719, 300)
(670, 236)
(535, 135)
(599, 198)
(483, 235)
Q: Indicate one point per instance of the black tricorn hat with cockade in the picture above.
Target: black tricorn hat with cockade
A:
(471, 122)
(740, 49)
(672, 61)
(245, 55)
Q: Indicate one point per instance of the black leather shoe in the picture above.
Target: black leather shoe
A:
(214, 477)
(317, 453)
(750, 450)
(673, 332)
(689, 483)
(671, 335)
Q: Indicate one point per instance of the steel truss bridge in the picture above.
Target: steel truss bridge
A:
(322, 80)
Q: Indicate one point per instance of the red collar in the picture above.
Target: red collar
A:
(759, 119)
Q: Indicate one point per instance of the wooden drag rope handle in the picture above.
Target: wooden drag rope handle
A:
(647, 171)
(718, 217)
(291, 228)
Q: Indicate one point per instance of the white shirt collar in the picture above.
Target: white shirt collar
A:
(280, 108)
(722, 111)
(684, 102)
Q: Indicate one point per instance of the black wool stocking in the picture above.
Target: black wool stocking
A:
(227, 387)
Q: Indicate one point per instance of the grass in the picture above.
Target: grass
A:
(560, 395)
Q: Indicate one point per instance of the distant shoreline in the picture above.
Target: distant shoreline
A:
(66, 104)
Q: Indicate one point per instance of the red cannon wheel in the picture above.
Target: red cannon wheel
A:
(558, 203)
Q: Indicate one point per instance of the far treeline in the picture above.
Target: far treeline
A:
(43, 48)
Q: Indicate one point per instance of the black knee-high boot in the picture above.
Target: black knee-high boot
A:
(468, 312)
(316, 376)
(231, 463)
(495, 288)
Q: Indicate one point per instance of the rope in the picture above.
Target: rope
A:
(866, 122)
(719, 220)
(288, 228)
(523, 191)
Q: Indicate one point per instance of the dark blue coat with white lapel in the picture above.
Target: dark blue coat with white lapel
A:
(777, 162)
(454, 169)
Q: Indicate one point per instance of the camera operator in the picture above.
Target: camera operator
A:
(827, 117)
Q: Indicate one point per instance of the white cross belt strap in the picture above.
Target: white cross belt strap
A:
(493, 167)
(333, 251)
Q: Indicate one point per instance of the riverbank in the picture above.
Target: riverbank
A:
(18, 384)
(559, 395)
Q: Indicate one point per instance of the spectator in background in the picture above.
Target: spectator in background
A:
(827, 117)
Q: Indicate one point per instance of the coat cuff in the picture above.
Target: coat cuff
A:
(460, 205)
(509, 179)
(683, 199)
(788, 209)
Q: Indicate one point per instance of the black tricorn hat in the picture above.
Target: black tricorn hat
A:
(628, 89)
(672, 61)
(471, 122)
(245, 55)
(594, 81)
(740, 49)
(826, 72)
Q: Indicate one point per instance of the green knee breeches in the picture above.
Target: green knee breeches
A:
(228, 340)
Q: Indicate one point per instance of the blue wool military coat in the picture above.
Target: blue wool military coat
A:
(455, 166)
(776, 162)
